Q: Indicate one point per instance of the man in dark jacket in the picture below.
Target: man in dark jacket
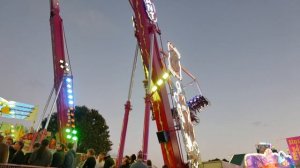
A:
(58, 156)
(10, 143)
(35, 147)
(139, 163)
(18, 156)
(108, 161)
(42, 156)
(90, 160)
(4, 152)
(70, 161)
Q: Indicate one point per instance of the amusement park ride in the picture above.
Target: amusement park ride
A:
(62, 89)
(163, 77)
(63, 78)
(63, 82)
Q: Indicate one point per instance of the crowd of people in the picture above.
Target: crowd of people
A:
(64, 157)
(136, 161)
(12, 152)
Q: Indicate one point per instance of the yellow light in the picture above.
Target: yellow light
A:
(5, 110)
(154, 88)
(159, 82)
(3, 100)
(166, 75)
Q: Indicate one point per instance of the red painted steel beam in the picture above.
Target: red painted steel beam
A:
(123, 133)
(160, 102)
(57, 38)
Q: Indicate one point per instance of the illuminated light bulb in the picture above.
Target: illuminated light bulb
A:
(166, 75)
(61, 66)
(70, 97)
(68, 130)
(69, 86)
(159, 82)
(69, 136)
(74, 132)
(61, 61)
(12, 131)
(12, 126)
(67, 69)
(66, 64)
(154, 88)
(75, 138)
(68, 79)
(69, 91)
(132, 18)
(71, 102)
(5, 110)
(11, 103)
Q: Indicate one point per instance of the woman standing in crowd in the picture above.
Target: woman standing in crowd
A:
(100, 161)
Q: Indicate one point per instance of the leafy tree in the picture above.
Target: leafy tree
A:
(91, 127)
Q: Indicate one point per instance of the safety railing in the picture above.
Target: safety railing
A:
(6, 165)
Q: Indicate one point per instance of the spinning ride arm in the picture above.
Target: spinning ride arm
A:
(145, 32)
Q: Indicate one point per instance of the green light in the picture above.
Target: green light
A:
(68, 130)
(74, 132)
(159, 82)
(75, 138)
(69, 136)
(166, 75)
(154, 88)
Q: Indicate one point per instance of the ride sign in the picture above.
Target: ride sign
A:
(294, 148)
(150, 9)
(174, 61)
(186, 124)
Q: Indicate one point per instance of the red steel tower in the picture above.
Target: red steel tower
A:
(62, 74)
(158, 70)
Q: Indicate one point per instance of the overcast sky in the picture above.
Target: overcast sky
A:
(245, 55)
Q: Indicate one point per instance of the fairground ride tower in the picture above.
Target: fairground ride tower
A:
(163, 77)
